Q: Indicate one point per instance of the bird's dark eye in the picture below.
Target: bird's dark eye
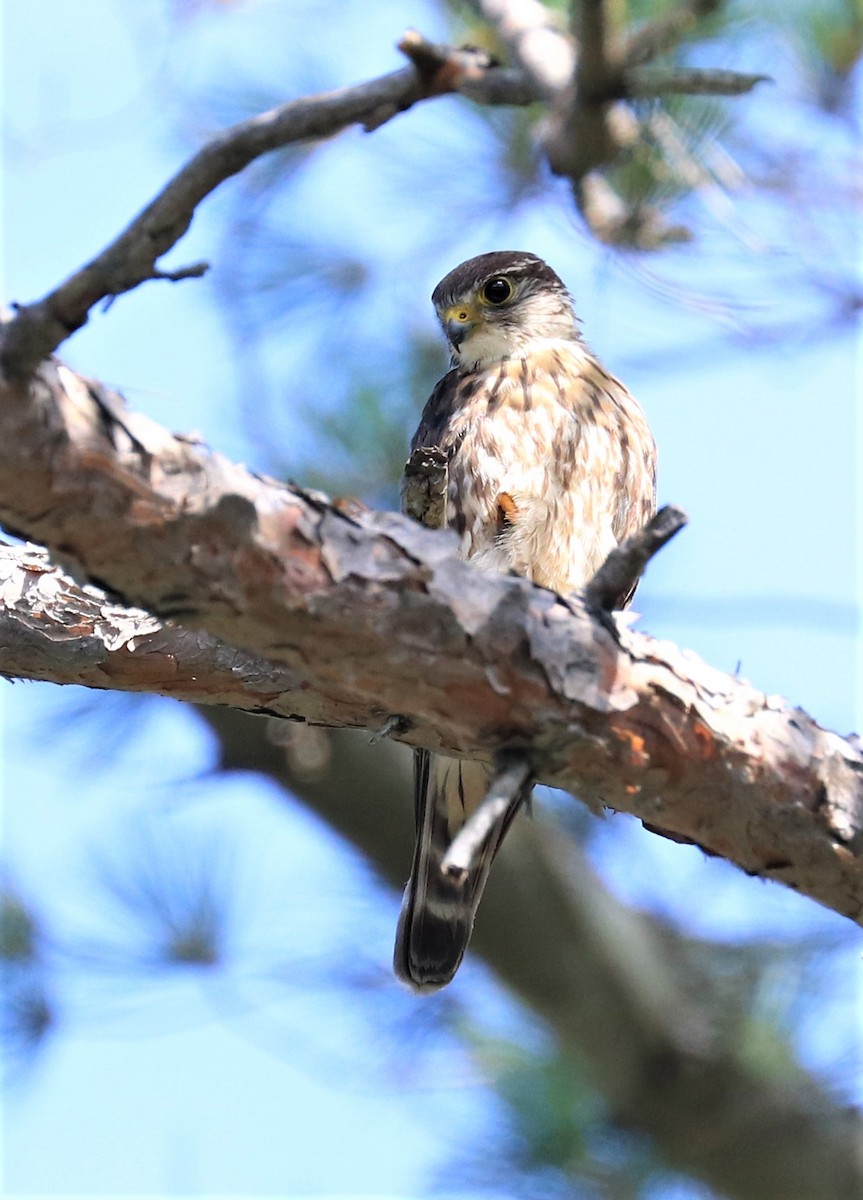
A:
(497, 290)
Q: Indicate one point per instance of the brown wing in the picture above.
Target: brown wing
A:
(635, 480)
(445, 400)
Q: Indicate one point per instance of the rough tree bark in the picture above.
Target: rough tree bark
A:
(371, 615)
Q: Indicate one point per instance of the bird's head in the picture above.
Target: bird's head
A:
(500, 305)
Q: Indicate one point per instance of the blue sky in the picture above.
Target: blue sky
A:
(241, 1085)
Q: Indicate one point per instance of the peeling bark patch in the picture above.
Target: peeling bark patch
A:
(839, 799)
(633, 749)
(705, 740)
(573, 669)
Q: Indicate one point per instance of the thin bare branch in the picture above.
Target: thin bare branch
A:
(466, 847)
(617, 577)
(690, 81)
(371, 614)
(584, 131)
(38, 329)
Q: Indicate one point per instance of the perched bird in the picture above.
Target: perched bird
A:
(550, 465)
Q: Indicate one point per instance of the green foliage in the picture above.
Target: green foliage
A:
(828, 38)
(166, 898)
(19, 932)
(552, 1139)
(26, 1011)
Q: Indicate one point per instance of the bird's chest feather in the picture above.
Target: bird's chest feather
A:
(540, 451)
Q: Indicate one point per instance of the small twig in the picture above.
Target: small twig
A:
(690, 81)
(424, 486)
(621, 571)
(612, 221)
(395, 723)
(466, 847)
(37, 329)
(442, 68)
(193, 271)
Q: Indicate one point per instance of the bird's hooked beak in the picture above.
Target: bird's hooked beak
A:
(459, 322)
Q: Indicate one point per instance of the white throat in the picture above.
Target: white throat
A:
(481, 350)
(543, 319)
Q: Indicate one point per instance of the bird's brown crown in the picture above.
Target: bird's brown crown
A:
(469, 276)
(502, 305)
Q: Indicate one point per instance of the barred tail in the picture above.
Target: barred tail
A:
(437, 912)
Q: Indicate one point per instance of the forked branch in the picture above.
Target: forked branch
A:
(546, 61)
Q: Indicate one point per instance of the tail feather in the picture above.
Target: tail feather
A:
(437, 913)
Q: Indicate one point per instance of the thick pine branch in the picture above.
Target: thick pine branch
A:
(371, 615)
(59, 631)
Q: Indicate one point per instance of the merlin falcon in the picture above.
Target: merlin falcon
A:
(551, 464)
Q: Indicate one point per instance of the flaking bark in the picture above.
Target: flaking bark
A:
(366, 615)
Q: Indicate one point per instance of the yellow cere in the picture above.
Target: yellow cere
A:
(460, 312)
